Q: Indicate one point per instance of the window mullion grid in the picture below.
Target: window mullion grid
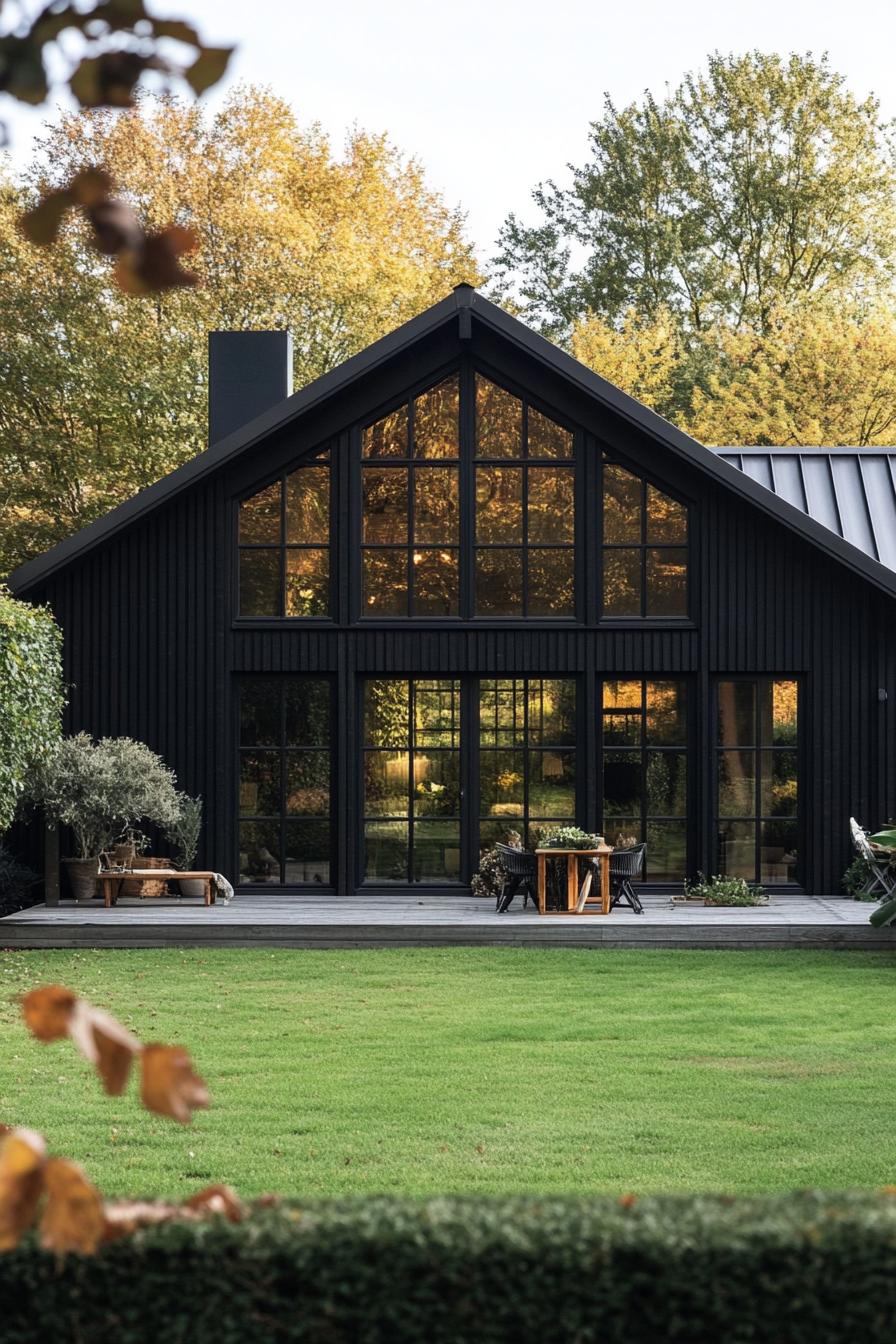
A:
(282, 795)
(524, 500)
(412, 751)
(643, 557)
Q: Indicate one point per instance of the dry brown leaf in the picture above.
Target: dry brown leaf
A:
(42, 224)
(22, 1159)
(218, 1199)
(73, 1217)
(127, 1216)
(90, 187)
(168, 1084)
(48, 1011)
(154, 265)
(208, 68)
(108, 80)
(113, 1061)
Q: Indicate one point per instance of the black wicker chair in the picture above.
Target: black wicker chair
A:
(520, 867)
(625, 865)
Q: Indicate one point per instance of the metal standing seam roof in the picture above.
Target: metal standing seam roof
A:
(851, 491)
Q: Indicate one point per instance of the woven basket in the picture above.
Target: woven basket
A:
(146, 886)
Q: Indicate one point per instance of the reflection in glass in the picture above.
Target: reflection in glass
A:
(527, 776)
(622, 582)
(385, 583)
(308, 506)
(306, 852)
(259, 852)
(499, 421)
(436, 589)
(307, 582)
(308, 783)
(290, 778)
(547, 438)
(436, 420)
(551, 581)
(436, 514)
(411, 775)
(260, 783)
(645, 787)
(667, 519)
(737, 783)
(737, 713)
(260, 517)
(385, 504)
(779, 784)
(260, 712)
(667, 581)
(499, 582)
(737, 849)
(622, 506)
(388, 437)
(551, 516)
(499, 504)
(260, 582)
(778, 850)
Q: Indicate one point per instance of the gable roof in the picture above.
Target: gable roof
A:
(851, 491)
(465, 306)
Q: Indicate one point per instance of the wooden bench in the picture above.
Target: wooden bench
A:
(111, 882)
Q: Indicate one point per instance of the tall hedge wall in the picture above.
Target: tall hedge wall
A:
(806, 1269)
(31, 695)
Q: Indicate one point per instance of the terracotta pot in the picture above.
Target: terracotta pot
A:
(82, 877)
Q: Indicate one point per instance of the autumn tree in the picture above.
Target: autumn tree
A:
(759, 184)
(813, 378)
(102, 393)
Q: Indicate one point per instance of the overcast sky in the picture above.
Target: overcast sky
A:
(493, 96)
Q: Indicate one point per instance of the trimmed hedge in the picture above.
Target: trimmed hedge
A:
(799, 1269)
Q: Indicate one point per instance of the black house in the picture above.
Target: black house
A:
(461, 585)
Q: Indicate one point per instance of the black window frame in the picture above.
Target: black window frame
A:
(524, 822)
(643, 749)
(460, 731)
(410, 463)
(283, 750)
(320, 457)
(643, 546)
(758, 748)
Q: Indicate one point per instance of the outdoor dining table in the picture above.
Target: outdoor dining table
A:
(573, 889)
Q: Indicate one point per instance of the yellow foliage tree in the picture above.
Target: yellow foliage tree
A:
(815, 378)
(643, 356)
(102, 393)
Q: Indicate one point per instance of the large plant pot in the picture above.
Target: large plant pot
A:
(192, 886)
(82, 875)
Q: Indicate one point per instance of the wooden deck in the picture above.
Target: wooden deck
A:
(415, 920)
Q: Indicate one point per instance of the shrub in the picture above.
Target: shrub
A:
(724, 891)
(31, 696)
(185, 831)
(855, 878)
(16, 882)
(571, 837)
(793, 1269)
(489, 877)
(102, 789)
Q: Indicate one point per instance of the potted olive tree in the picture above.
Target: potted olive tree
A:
(100, 790)
(184, 835)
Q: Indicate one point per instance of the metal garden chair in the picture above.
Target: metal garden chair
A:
(521, 872)
(881, 881)
(625, 866)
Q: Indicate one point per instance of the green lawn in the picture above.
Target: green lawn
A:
(477, 1070)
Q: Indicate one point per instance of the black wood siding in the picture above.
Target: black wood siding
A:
(151, 646)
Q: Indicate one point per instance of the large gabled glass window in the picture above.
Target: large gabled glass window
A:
(284, 545)
(525, 508)
(410, 485)
(645, 548)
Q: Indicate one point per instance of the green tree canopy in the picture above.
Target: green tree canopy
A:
(31, 697)
(102, 393)
(759, 184)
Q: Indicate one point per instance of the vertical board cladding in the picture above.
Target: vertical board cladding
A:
(152, 647)
(145, 626)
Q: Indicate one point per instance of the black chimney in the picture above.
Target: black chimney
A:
(248, 372)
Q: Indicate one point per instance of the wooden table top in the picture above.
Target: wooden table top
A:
(555, 849)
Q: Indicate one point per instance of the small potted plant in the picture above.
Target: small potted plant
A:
(724, 891)
(100, 790)
(571, 837)
(184, 835)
